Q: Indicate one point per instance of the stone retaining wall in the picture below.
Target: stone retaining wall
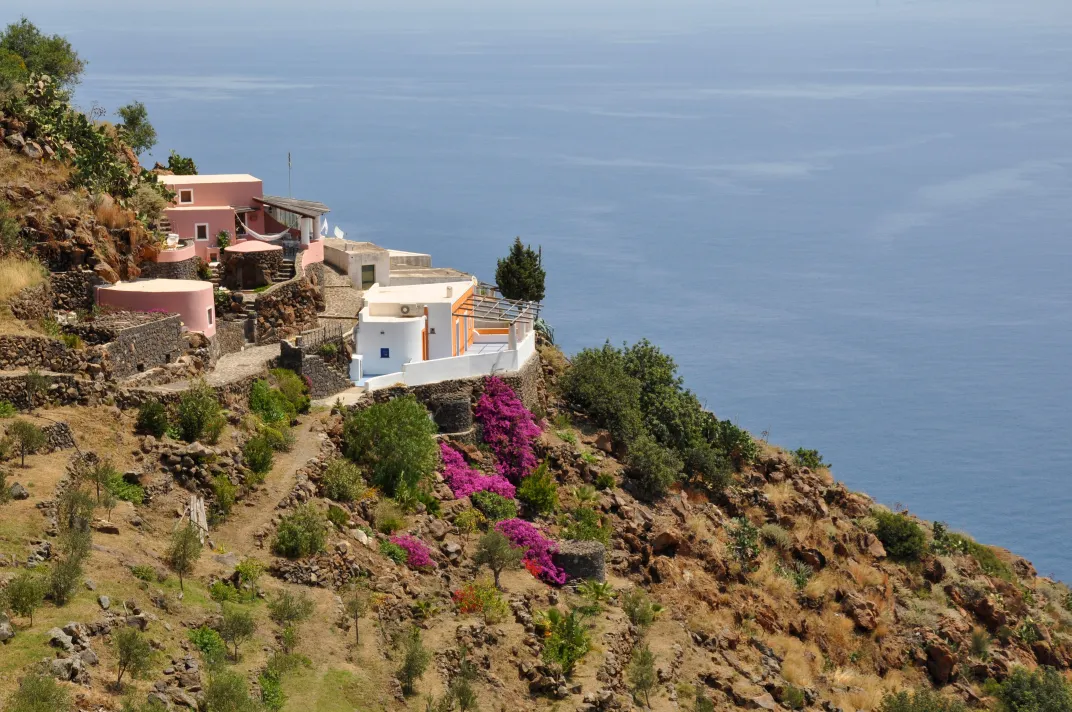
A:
(526, 383)
(134, 341)
(41, 352)
(63, 389)
(287, 309)
(33, 303)
(230, 338)
(183, 269)
(73, 291)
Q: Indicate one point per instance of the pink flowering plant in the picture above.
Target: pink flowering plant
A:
(508, 428)
(464, 480)
(538, 549)
(418, 555)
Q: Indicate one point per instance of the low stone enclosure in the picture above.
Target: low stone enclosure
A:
(134, 341)
(180, 269)
(287, 309)
(322, 356)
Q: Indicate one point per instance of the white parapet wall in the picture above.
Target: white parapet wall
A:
(419, 373)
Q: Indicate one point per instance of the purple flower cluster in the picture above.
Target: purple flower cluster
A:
(508, 428)
(418, 555)
(464, 480)
(538, 549)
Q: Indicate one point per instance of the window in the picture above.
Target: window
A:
(201, 231)
(385, 353)
(368, 276)
(186, 197)
(211, 313)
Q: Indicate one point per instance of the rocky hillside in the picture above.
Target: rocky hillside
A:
(779, 589)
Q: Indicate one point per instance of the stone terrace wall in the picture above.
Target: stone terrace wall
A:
(328, 374)
(73, 291)
(134, 341)
(183, 269)
(41, 352)
(33, 303)
(230, 337)
(63, 389)
(287, 309)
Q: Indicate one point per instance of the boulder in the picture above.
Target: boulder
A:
(933, 570)
(862, 612)
(105, 602)
(18, 491)
(941, 662)
(670, 542)
(58, 639)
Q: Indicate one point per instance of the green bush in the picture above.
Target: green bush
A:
(586, 524)
(227, 691)
(342, 481)
(394, 442)
(143, 572)
(640, 609)
(127, 491)
(338, 516)
(651, 467)
(388, 517)
(415, 659)
(293, 387)
(775, 536)
(922, 700)
(39, 53)
(39, 693)
(181, 165)
(744, 541)
(599, 384)
(224, 592)
(605, 481)
(270, 404)
(300, 533)
(152, 418)
(567, 640)
(494, 506)
(225, 494)
(280, 439)
(810, 459)
(947, 542)
(7, 410)
(709, 468)
(393, 551)
(258, 455)
(539, 491)
(1041, 690)
(902, 537)
(735, 442)
(198, 415)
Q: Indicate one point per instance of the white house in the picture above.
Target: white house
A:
(424, 333)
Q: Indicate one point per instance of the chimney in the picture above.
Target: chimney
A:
(450, 291)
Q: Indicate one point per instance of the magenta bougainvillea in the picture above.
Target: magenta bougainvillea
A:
(464, 480)
(508, 428)
(418, 555)
(538, 549)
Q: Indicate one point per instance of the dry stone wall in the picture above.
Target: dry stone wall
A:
(183, 269)
(73, 291)
(33, 303)
(41, 352)
(134, 341)
(287, 309)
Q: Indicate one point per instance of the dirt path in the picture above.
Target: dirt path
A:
(236, 534)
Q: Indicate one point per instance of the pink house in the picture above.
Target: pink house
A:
(206, 205)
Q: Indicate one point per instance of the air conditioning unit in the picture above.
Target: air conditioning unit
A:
(410, 309)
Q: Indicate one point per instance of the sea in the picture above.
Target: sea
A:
(848, 221)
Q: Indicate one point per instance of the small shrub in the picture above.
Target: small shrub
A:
(338, 516)
(388, 517)
(225, 494)
(63, 580)
(775, 536)
(198, 414)
(24, 594)
(1041, 690)
(793, 697)
(481, 597)
(300, 533)
(734, 442)
(567, 640)
(184, 551)
(709, 468)
(133, 654)
(922, 700)
(270, 404)
(810, 459)
(394, 552)
(415, 659)
(799, 573)
(328, 351)
(494, 507)
(470, 520)
(39, 693)
(258, 455)
(744, 541)
(651, 467)
(127, 491)
(947, 542)
(342, 481)
(224, 592)
(227, 691)
(605, 481)
(143, 572)
(280, 438)
(288, 608)
(293, 387)
(7, 410)
(567, 436)
(596, 592)
(539, 491)
(394, 442)
(27, 438)
(586, 524)
(236, 627)
(902, 537)
(980, 643)
(640, 609)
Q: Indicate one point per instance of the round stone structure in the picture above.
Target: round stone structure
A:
(582, 560)
(452, 414)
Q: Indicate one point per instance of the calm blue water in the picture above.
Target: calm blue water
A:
(849, 223)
